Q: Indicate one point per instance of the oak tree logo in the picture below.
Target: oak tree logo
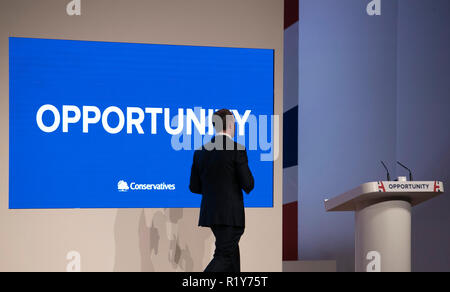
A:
(122, 186)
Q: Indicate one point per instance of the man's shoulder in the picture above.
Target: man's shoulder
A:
(198, 150)
(239, 146)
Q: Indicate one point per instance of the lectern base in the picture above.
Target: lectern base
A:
(383, 237)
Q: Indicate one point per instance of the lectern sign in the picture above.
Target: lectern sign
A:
(392, 186)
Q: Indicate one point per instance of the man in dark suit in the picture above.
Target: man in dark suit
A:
(220, 172)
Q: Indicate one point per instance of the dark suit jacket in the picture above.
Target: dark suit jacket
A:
(220, 174)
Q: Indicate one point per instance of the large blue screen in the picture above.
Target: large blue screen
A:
(115, 125)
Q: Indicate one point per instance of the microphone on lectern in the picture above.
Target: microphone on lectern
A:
(387, 171)
(410, 173)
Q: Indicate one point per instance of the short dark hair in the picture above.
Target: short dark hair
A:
(220, 116)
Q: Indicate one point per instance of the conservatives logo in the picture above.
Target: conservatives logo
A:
(122, 186)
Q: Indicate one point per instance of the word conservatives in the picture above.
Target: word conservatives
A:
(122, 186)
(132, 119)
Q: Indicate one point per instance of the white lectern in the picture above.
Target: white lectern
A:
(383, 221)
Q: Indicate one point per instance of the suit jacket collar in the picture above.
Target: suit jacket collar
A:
(224, 137)
(224, 134)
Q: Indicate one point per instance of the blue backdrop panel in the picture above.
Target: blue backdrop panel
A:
(82, 170)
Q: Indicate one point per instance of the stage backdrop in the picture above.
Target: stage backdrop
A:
(114, 125)
(136, 239)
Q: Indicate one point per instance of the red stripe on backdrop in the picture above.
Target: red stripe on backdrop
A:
(290, 231)
(290, 12)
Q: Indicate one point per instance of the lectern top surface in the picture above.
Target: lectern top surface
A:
(414, 192)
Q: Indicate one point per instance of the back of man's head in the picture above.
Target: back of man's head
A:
(222, 120)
